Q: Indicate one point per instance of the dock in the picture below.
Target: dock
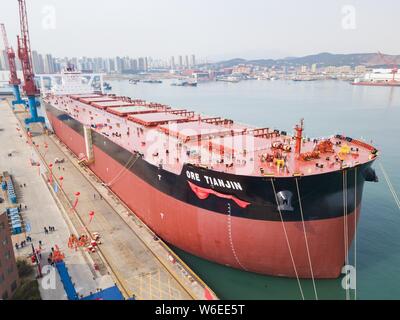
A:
(140, 264)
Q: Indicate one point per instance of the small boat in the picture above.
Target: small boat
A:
(304, 78)
(152, 81)
(184, 83)
(227, 79)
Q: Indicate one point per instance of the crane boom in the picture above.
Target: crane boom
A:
(14, 80)
(4, 33)
(25, 55)
(389, 63)
(24, 52)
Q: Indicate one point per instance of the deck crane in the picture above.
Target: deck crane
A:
(25, 55)
(392, 63)
(14, 80)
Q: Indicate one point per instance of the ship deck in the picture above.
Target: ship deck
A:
(170, 138)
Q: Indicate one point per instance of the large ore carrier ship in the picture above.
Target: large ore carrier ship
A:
(256, 199)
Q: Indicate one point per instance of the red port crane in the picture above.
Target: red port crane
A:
(14, 80)
(24, 52)
(394, 65)
(25, 55)
(11, 58)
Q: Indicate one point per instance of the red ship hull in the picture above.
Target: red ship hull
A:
(377, 84)
(253, 245)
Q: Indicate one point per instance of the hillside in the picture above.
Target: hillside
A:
(321, 59)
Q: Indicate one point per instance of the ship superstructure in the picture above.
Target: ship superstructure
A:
(380, 77)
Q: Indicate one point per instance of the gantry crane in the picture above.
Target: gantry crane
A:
(14, 80)
(25, 55)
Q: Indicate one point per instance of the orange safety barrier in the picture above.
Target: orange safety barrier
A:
(74, 242)
(58, 256)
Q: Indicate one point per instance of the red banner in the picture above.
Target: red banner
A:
(203, 193)
(208, 295)
(77, 194)
(91, 216)
(75, 203)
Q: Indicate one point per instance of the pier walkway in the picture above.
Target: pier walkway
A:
(142, 266)
(42, 210)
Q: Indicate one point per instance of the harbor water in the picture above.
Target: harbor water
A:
(328, 107)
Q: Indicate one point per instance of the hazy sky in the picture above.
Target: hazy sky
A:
(214, 29)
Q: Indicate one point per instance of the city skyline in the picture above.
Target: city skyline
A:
(214, 31)
(47, 63)
(330, 63)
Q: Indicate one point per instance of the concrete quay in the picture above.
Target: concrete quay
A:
(42, 211)
(140, 265)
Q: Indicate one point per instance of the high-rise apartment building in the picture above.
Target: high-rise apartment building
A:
(9, 280)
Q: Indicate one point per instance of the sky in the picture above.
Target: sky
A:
(211, 29)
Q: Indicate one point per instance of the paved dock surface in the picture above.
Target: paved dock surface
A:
(42, 211)
(143, 266)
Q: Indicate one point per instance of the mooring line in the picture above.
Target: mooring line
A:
(355, 230)
(306, 240)
(287, 241)
(390, 185)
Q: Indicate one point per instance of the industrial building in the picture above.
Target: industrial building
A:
(8, 269)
